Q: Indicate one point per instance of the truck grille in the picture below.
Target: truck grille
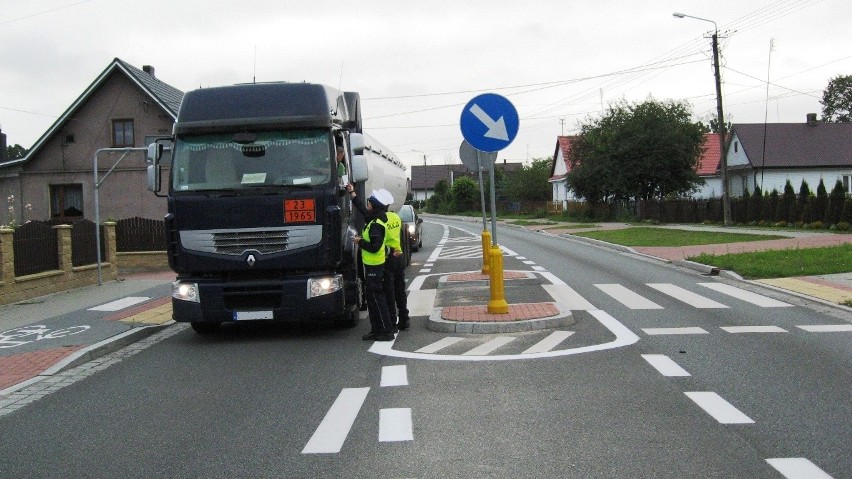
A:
(235, 242)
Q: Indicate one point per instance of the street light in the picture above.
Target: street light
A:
(726, 203)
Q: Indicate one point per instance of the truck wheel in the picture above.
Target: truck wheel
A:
(204, 328)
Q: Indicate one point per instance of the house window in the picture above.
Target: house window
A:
(122, 133)
(736, 147)
(66, 201)
(847, 184)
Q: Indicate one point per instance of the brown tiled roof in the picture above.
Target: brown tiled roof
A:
(708, 162)
(798, 145)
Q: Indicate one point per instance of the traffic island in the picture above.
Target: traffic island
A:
(457, 315)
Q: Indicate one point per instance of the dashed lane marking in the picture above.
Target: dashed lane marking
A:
(718, 408)
(395, 425)
(667, 331)
(753, 329)
(335, 426)
(665, 365)
(826, 328)
(797, 468)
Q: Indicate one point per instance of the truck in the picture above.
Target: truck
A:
(258, 224)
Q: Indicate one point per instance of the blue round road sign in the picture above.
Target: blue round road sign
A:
(489, 122)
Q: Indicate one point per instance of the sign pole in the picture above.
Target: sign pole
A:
(486, 236)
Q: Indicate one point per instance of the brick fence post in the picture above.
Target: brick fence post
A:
(63, 242)
(110, 247)
(7, 254)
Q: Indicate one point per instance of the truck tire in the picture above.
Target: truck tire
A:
(202, 327)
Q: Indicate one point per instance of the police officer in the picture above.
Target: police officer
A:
(394, 282)
(373, 254)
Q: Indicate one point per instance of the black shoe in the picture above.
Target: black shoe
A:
(384, 337)
(403, 326)
(369, 336)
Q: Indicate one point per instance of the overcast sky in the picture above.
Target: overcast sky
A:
(416, 64)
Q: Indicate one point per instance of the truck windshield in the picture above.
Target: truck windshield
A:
(248, 160)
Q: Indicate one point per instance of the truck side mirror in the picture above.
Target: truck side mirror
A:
(360, 170)
(356, 141)
(154, 178)
(155, 152)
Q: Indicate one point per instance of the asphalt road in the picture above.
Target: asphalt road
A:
(765, 397)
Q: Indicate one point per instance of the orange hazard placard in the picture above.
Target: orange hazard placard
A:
(299, 211)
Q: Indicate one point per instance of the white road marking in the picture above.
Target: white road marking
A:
(627, 297)
(335, 426)
(826, 328)
(538, 268)
(716, 406)
(665, 365)
(550, 342)
(439, 345)
(120, 304)
(797, 468)
(754, 329)
(748, 296)
(395, 425)
(529, 262)
(567, 297)
(490, 346)
(688, 297)
(394, 376)
(420, 302)
(623, 337)
(664, 331)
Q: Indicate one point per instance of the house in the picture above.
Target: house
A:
(123, 107)
(708, 168)
(559, 172)
(424, 178)
(809, 151)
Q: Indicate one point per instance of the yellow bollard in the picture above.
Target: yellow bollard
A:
(498, 304)
(486, 245)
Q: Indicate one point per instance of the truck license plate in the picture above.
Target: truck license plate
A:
(252, 315)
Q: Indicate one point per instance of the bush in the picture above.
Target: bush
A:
(842, 226)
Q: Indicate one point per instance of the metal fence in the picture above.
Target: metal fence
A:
(140, 234)
(36, 248)
(84, 243)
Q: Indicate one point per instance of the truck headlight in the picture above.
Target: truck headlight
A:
(321, 286)
(185, 291)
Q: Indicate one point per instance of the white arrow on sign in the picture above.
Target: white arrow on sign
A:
(496, 129)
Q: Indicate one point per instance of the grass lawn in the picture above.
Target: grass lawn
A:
(784, 263)
(648, 236)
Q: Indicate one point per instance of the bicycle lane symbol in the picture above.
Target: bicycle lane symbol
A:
(36, 332)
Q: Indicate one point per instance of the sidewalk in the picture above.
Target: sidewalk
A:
(47, 335)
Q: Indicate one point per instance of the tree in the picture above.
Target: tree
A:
(530, 182)
(835, 203)
(820, 203)
(803, 212)
(787, 212)
(440, 199)
(15, 152)
(837, 100)
(465, 195)
(641, 151)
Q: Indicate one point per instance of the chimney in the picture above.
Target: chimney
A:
(149, 70)
(812, 120)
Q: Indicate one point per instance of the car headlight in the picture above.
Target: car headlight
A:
(411, 229)
(185, 291)
(322, 286)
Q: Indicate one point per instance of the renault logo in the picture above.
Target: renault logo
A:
(250, 260)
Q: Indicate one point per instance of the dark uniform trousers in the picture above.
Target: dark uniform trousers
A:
(381, 322)
(394, 286)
